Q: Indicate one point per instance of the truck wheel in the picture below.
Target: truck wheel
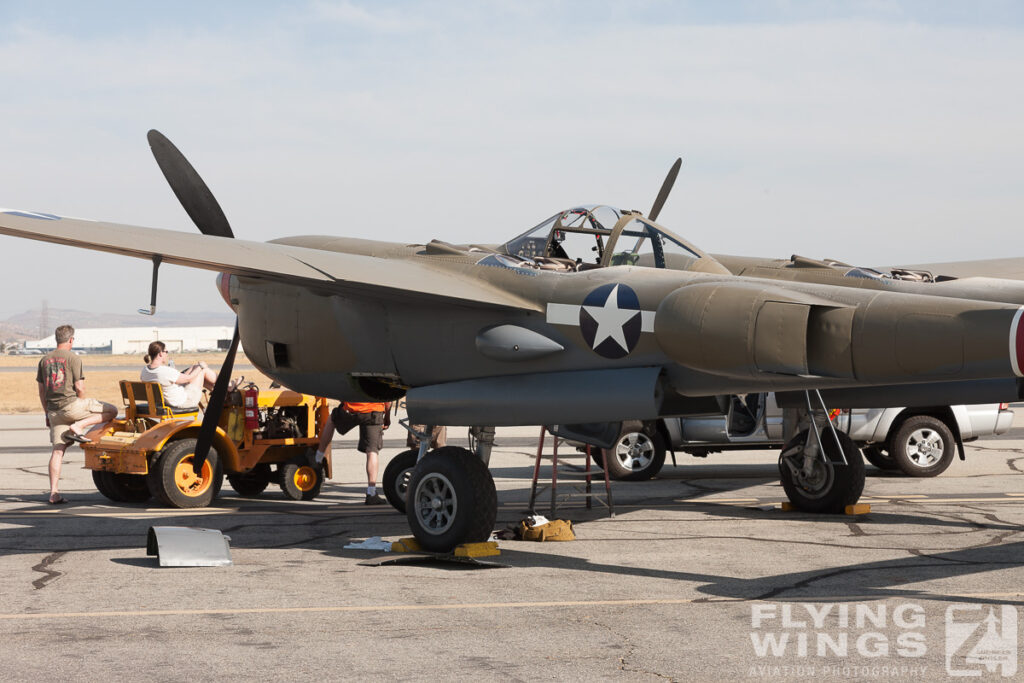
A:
(300, 481)
(879, 458)
(121, 488)
(829, 487)
(923, 446)
(175, 481)
(636, 454)
(252, 483)
(451, 500)
(396, 478)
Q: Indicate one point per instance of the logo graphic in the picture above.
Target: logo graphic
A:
(610, 320)
(981, 637)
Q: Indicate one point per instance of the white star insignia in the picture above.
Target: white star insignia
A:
(611, 320)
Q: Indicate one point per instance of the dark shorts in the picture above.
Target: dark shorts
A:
(371, 428)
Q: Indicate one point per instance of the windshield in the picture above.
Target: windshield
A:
(641, 244)
(583, 220)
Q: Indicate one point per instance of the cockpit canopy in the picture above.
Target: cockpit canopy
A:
(587, 237)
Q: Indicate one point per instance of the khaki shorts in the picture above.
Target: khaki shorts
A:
(79, 409)
(193, 392)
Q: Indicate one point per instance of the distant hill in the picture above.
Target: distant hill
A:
(25, 326)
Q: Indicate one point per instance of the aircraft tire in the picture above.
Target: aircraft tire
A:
(121, 488)
(830, 488)
(880, 458)
(252, 483)
(923, 446)
(451, 500)
(636, 455)
(300, 481)
(174, 482)
(396, 478)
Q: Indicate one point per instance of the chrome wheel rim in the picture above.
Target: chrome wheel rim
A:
(925, 447)
(635, 451)
(435, 503)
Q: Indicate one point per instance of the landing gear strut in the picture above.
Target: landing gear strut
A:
(821, 469)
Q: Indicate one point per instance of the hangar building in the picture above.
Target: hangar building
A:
(118, 340)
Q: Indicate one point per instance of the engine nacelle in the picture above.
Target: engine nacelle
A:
(745, 329)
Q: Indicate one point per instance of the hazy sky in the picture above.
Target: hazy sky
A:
(873, 132)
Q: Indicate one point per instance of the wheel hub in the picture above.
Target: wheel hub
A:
(816, 480)
(925, 447)
(635, 451)
(435, 503)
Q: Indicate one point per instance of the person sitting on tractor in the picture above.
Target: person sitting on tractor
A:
(181, 389)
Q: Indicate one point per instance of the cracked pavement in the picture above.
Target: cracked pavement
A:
(666, 590)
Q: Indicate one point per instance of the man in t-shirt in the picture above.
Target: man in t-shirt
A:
(69, 413)
(372, 419)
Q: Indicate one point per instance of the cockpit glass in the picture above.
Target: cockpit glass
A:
(532, 242)
(581, 247)
(641, 244)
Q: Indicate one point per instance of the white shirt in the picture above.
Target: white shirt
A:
(174, 394)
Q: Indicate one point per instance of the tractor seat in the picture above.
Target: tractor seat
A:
(142, 409)
(146, 399)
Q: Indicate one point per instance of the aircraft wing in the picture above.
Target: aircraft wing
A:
(354, 274)
(1004, 268)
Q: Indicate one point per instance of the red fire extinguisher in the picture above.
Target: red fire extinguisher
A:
(250, 402)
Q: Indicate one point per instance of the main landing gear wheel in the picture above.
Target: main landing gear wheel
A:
(821, 486)
(396, 478)
(880, 458)
(300, 480)
(923, 446)
(636, 454)
(451, 500)
(252, 483)
(121, 488)
(172, 481)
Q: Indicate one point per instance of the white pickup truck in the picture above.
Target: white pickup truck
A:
(919, 441)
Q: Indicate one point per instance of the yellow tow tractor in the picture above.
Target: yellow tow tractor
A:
(149, 452)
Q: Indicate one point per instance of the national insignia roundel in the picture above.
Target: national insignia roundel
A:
(610, 320)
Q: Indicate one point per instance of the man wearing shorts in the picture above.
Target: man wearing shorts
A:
(68, 412)
(372, 419)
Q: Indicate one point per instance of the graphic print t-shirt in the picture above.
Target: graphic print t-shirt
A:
(58, 371)
(174, 394)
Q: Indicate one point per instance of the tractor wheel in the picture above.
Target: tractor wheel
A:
(252, 483)
(300, 481)
(121, 488)
(828, 487)
(396, 478)
(451, 500)
(174, 481)
(105, 486)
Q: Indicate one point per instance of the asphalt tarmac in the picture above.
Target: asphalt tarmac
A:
(700, 576)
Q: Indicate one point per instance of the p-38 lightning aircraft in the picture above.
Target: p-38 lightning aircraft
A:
(597, 315)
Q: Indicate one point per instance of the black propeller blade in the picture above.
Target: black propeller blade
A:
(195, 197)
(666, 187)
(213, 410)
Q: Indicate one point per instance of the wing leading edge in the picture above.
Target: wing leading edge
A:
(333, 271)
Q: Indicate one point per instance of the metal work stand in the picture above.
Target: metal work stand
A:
(605, 500)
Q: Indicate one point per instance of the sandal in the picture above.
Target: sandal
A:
(59, 500)
(76, 438)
